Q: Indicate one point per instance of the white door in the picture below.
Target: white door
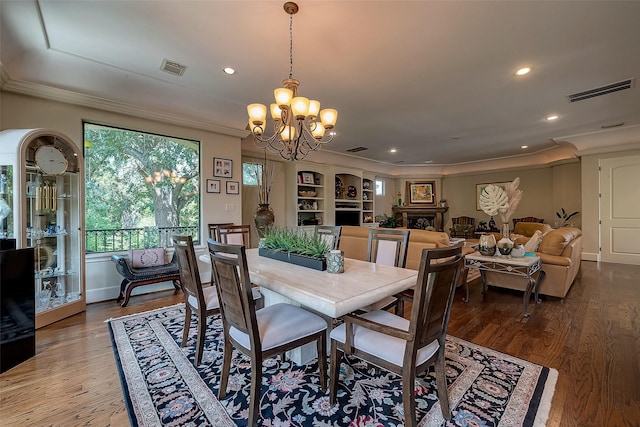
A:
(620, 209)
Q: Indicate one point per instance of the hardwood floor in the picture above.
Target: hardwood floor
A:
(592, 337)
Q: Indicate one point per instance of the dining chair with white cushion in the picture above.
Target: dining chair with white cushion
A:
(406, 347)
(259, 334)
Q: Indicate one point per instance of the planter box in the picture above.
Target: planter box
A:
(302, 260)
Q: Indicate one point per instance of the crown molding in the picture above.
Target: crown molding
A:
(89, 101)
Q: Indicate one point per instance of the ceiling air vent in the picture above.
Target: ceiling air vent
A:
(172, 67)
(356, 149)
(603, 90)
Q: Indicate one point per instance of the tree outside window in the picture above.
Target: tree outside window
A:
(139, 184)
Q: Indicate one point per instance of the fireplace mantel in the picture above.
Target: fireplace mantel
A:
(401, 213)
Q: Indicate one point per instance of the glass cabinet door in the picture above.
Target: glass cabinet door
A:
(45, 191)
(52, 229)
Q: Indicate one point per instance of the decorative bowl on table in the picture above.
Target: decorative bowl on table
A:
(307, 193)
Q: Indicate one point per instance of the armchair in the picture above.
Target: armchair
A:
(463, 226)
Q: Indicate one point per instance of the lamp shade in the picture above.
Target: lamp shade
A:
(257, 114)
(288, 133)
(283, 96)
(314, 109)
(276, 112)
(329, 116)
(317, 130)
(300, 107)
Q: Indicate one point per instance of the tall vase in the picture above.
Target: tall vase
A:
(263, 218)
(505, 245)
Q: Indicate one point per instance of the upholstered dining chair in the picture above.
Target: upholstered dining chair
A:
(203, 301)
(330, 233)
(406, 347)
(259, 334)
(463, 226)
(387, 247)
(527, 219)
(234, 234)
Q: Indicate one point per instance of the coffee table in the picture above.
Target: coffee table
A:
(526, 267)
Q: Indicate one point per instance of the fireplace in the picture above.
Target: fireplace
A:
(416, 217)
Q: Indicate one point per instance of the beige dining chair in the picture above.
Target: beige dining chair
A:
(406, 347)
(330, 233)
(234, 234)
(387, 247)
(259, 334)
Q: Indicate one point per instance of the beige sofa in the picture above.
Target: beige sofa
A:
(354, 242)
(560, 252)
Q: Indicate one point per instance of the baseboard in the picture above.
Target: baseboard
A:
(591, 256)
(112, 292)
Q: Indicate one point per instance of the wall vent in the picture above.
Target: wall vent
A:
(603, 90)
(612, 125)
(172, 67)
(356, 149)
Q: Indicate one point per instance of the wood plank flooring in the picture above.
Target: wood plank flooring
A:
(592, 337)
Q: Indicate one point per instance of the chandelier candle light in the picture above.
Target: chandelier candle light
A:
(296, 130)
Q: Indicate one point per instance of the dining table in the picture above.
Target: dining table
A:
(327, 294)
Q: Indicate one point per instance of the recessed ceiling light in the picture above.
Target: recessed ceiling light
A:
(393, 150)
(523, 71)
(428, 161)
(229, 70)
(524, 146)
(552, 118)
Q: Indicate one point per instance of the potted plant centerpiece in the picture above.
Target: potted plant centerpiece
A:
(295, 246)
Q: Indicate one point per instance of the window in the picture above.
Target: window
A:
(379, 187)
(140, 188)
(250, 172)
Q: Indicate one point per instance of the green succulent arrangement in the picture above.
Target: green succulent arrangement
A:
(295, 241)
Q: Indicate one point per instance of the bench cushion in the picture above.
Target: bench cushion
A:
(151, 257)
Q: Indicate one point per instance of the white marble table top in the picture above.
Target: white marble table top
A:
(361, 284)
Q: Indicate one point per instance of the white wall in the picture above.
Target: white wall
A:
(102, 281)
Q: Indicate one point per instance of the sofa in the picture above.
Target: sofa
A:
(354, 242)
(560, 252)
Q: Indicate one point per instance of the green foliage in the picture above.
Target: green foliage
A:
(564, 216)
(295, 241)
(388, 222)
(135, 179)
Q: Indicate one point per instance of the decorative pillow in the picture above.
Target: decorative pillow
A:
(147, 257)
(534, 242)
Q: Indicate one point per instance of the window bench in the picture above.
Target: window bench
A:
(134, 277)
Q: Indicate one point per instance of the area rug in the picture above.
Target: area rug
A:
(162, 387)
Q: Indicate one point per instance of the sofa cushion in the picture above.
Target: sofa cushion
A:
(554, 242)
(151, 257)
(528, 228)
(533, 244)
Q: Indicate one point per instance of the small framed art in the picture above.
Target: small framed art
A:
(222, 167)
(307, 178)
(213, 186)
(233, 187)
(421, 193)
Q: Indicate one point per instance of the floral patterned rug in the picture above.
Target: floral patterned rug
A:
(162, 387)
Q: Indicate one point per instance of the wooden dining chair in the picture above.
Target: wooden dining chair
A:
(259, 334)
(330, 233)
(387, 247)
(213, 230)
(406, 347)
(234, 234)
(203, 301)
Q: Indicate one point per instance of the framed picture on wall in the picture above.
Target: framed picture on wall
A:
(421, 193)
(233, 187)
(223, 167)
(213, 186)
(480, 187)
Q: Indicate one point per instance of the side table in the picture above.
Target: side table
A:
(526, 267)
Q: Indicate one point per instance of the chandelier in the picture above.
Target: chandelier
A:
(296, 128)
